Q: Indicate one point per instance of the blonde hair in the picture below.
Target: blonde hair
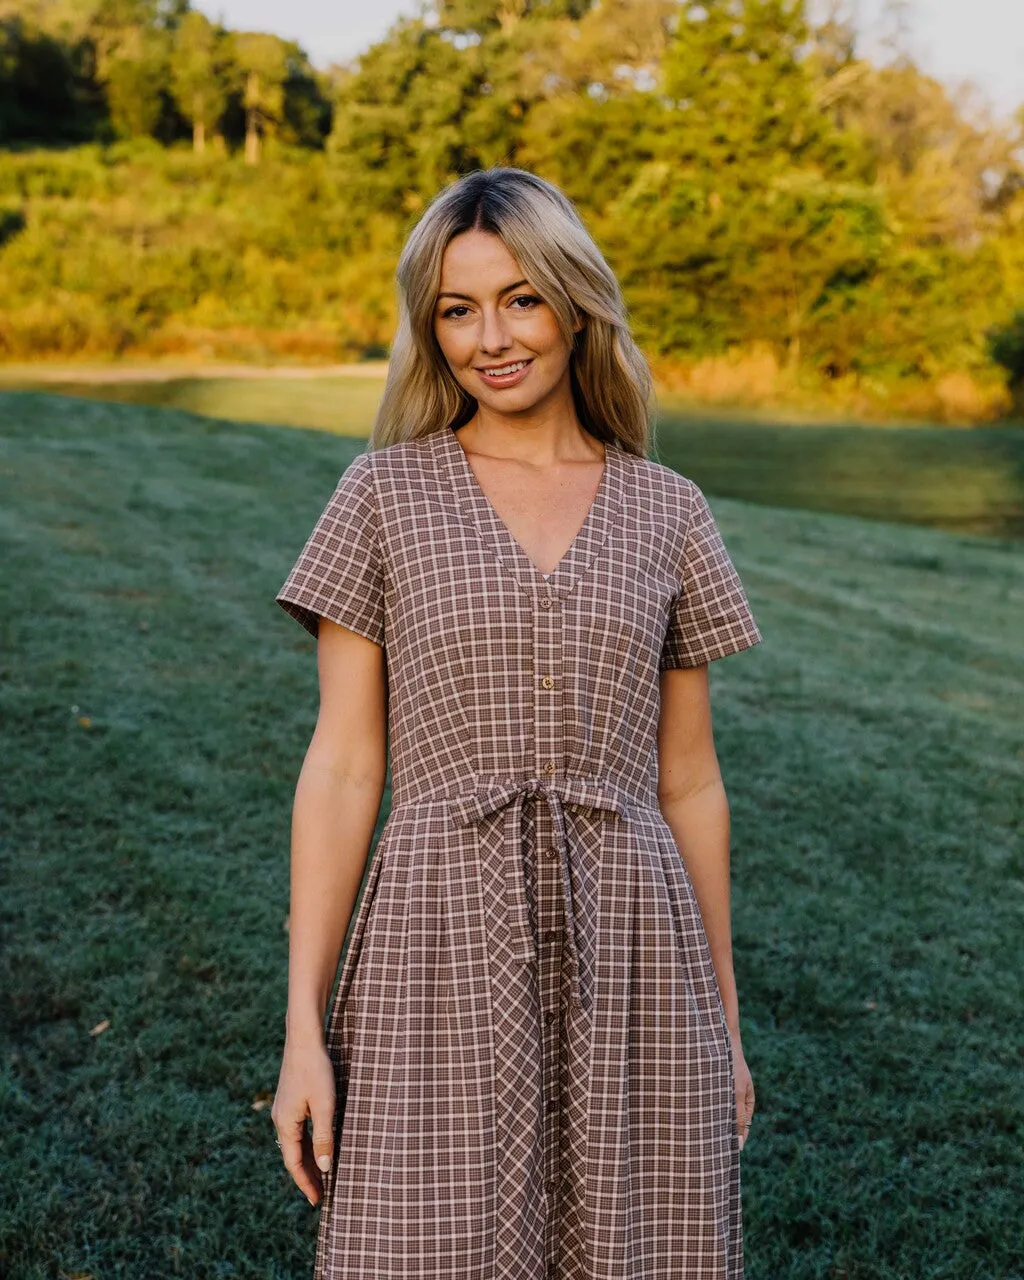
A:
(540, 227)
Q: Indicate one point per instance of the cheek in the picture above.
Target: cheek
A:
(548, 338)
(455, 348)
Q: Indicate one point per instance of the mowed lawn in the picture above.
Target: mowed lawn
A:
(156, 704)
(965, 480)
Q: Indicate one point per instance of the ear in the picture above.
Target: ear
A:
(581, 323)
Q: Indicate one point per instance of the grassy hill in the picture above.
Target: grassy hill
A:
(966, 481)
(155, 704)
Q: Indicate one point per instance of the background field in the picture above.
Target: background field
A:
(156, 704)
(965, 480)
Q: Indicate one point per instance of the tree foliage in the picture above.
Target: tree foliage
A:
(202, 72)
(755, 182)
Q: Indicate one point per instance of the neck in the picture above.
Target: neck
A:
(547, 432)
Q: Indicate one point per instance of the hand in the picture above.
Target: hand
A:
(305, 1088)
(744, 1089)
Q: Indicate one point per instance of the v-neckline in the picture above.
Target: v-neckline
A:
(588, 539)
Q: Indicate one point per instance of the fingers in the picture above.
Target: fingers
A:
(323, 1135)
(306, 1090)
(294, 1144)
(744, 1110)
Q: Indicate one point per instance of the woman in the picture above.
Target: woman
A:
(532, 1065)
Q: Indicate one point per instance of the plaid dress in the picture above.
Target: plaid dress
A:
(534, 1071)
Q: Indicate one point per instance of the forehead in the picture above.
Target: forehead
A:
(478, 257)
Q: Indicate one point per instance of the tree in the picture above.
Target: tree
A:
(433, 100)
(135, 94)
(200, 75)
(263, 61)
(1006, 346)
(37, 86)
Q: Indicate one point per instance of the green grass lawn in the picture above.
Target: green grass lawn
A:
(345, 405)
(967, 480)
(156, 704)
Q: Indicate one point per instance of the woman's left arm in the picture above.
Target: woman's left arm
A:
(691, 796)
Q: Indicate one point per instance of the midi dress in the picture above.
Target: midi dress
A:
(534, 1073)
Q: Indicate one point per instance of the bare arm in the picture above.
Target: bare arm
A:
(691, 796)
(337, 800)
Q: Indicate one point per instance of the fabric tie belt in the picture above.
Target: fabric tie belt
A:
(489, 798)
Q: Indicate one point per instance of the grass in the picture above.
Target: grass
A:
(341, 404)
(969, 480)
(155, 707)
(965, 480)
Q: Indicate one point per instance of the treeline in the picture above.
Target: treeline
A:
(101, 70)
(788, 219)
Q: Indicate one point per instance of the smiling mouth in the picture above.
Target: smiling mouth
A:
(504, 370)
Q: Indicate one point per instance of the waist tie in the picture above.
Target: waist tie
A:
(488, 798)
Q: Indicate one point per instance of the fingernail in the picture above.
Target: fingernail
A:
(312, 1203)
(742, 1141)
(323, 1163)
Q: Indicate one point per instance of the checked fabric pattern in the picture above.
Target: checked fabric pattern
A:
(534, 1072)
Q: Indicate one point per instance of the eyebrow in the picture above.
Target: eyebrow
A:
(507, 289)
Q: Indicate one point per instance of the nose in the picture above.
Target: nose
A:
(494, 338)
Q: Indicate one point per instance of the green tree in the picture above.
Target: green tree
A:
(264, 65)
(37, 86)
(201, 70)
(307, 104)
(1006, 346)
(135, 94)
(435, 99)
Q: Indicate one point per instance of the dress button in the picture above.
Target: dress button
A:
(548, 682)
(552, 1104)
(551, 853)
(550, 1184)
(551, 1016)
(549, 766)
(545, 602)
(551, 935)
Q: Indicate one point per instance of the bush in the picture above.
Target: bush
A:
(12, 221)
(1006, 345)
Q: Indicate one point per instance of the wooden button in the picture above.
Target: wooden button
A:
(548, 682)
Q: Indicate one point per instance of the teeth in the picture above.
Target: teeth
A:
(507, 368)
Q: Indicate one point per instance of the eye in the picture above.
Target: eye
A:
(527, 298)
(449, 314)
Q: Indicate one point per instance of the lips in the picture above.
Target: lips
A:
(509, 374)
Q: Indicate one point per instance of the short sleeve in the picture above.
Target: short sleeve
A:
(339, 574)
(710, 615)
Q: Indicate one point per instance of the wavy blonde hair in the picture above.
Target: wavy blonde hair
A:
(540, 227)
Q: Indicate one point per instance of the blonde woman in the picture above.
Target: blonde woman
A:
(531, 1065)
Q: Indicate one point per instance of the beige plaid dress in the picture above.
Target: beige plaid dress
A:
(534, 1071)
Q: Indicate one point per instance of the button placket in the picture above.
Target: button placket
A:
(547, 699)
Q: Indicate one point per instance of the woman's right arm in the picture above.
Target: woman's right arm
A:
(337, 802)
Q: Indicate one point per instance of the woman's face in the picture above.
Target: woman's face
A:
(501, 340)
